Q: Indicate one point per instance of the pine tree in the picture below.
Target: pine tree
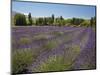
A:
(30, 19)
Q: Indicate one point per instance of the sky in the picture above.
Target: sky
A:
(47, 9)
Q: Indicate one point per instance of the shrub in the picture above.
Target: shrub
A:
(21, 59)
(85, 23)
(53, 63)
(60, 33)
(51, 45)
(25, 40)
(40, 37)
(71, 53)
(20, 20)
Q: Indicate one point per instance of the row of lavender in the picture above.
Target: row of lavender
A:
(73, 48)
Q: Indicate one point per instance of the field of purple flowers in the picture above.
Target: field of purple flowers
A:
(52, 48)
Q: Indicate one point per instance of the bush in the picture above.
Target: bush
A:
(20, 20)
(77, 21)
(25, 40)
(21, 59)
(59, 62)
(50, 45)
(85, 23)
(53, 63)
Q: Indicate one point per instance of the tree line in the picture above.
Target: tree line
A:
(22, 20)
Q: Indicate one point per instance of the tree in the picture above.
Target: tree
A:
(93, 21)
(85, 23)
(73, 21)
(39, 21)
(61, 18)
(30, 19)
(77, 21)
(53, 18)
(68, 22)
(45, 21)
(20, 20)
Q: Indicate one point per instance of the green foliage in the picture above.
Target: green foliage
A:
(53, 63)
(20, 20)
(85, 23)
(39, 21)
(40, 37)
(30, 19)
(58, 33)
(21, 59)
(45, 21)
(59, 62)
(68, 22)
(25, 40)
(52, 18)
(51, 44)
(49, 21)
(93, 21)
(71, 53)
(58, 21)
(75, 48)
(77, 21)
(61, 18)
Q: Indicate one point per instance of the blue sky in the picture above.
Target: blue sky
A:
(45, 9)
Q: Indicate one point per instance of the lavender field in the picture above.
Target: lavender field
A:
(52, 48)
